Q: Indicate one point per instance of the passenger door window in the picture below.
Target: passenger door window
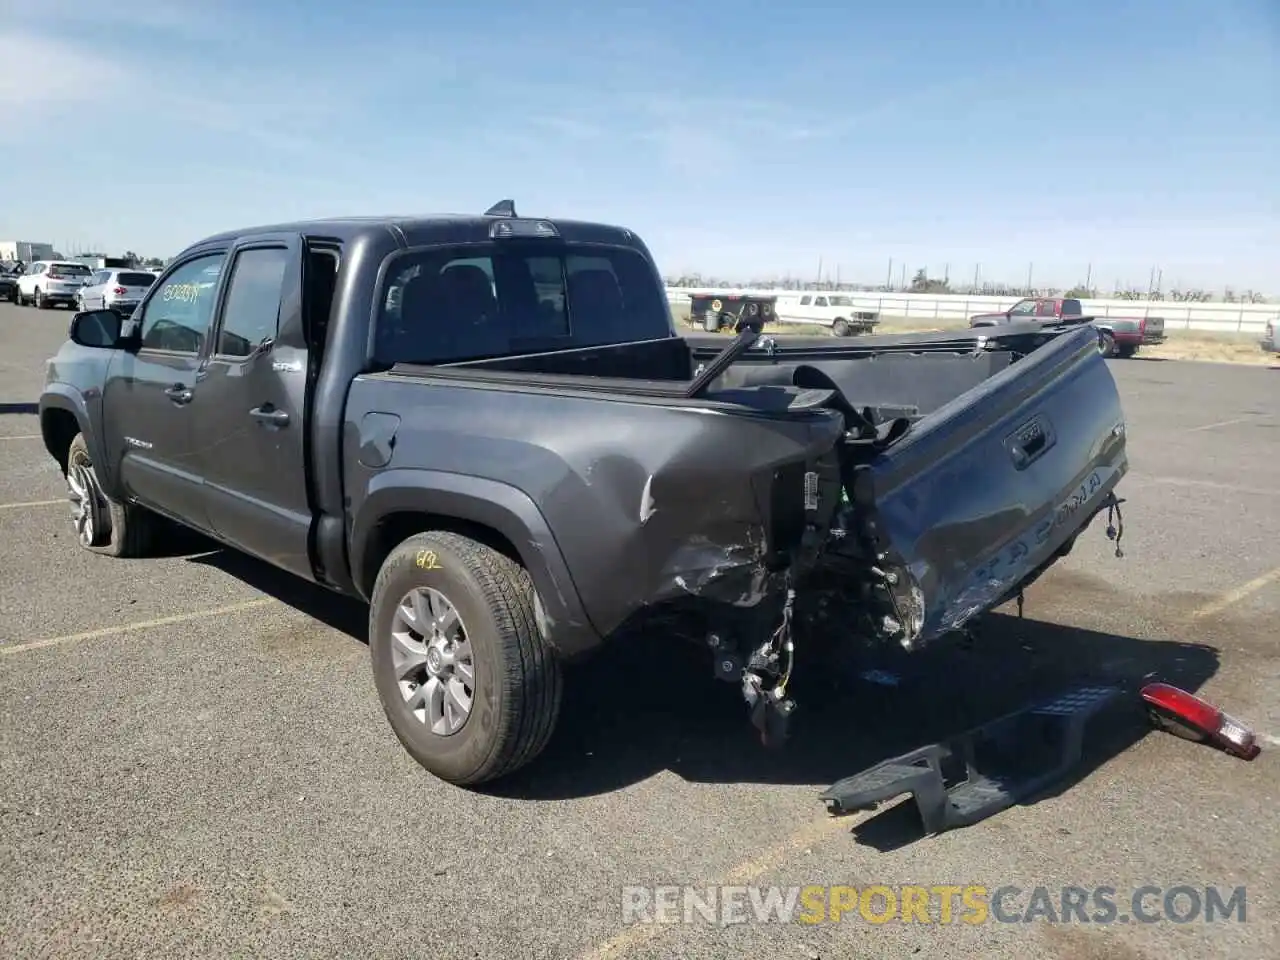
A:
(251, 312)
(1023, 308)
(820, 301)
(176, 317)
(805, 301)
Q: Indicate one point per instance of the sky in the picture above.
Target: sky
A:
(739, 139)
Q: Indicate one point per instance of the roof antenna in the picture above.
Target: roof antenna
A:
(503, 208)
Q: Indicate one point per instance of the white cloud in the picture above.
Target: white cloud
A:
(38, 72)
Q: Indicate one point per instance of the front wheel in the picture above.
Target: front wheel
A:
(466, 679)
(840, 328)
(102, 525)
(1127, 351)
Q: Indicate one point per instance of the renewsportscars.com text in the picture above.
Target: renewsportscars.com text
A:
(972, 904)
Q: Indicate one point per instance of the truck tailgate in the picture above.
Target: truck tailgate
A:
(984, 491)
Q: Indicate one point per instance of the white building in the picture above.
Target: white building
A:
(26, 250)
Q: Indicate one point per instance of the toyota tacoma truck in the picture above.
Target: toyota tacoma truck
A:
(1117, 336)
(488, 429)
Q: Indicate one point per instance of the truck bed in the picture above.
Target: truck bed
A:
(965, 472)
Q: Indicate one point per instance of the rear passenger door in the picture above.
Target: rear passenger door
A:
(252, 390)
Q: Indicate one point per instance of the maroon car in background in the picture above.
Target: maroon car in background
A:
(1120, 336)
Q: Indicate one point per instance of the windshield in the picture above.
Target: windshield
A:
(499, 299)
(69, 270)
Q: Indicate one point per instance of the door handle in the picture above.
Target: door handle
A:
(179, 393)
(269, 415)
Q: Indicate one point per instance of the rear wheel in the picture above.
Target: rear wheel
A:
(1127, 351)
(840, 328)
(466, 679)
(40, 304)
(102, 525)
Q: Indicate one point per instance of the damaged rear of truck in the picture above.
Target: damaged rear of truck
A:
(763, 498)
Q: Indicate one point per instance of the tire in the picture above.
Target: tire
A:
(1127, 351)
(39, 300)
(18, 298)
(116, 529)
(515, 679)
(1106, 343)
(840, 328)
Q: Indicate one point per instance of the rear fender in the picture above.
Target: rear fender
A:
(492, 504)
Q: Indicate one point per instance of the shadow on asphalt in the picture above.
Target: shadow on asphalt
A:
(638, 709)
(28, 408)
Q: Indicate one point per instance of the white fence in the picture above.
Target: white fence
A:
(957, 308)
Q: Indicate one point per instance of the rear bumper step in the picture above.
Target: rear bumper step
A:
(1003, 762)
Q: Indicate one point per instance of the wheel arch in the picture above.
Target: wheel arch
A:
(63, 414)
(401, 503)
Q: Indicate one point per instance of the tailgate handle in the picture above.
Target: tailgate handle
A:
(1030, 441)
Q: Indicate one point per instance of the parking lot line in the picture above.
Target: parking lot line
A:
(743, 873)
(24, 436)
(1236, 595)
(30, 503)
(139, 625)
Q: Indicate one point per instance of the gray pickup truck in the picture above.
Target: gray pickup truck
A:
(488, 429)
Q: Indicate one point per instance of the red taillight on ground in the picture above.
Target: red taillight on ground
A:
(1187, 715)
(119, 291)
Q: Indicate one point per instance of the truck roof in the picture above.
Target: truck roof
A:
(411, 230)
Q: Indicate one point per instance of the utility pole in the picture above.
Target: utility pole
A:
(819, 271)
(1030, 266)
(888, 277)
(977, 272)
(1088, 278)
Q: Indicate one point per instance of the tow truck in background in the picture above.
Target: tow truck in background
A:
(1119, 336)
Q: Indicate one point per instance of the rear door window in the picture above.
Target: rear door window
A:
(251, 313)
(486, 300)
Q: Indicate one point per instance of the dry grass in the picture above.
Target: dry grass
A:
(1188, 346)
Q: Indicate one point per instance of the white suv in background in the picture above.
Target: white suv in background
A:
(49, 282)
(115, 288)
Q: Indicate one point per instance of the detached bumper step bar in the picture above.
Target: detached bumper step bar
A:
(960, 781)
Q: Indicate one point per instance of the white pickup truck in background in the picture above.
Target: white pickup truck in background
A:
(834, 311)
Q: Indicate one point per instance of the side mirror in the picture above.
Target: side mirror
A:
(95, 328)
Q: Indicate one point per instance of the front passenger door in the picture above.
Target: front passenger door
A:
(150, 393)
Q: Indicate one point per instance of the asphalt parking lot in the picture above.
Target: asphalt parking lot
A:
(193, 761)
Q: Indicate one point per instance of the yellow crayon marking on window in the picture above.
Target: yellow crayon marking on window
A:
(427, 560)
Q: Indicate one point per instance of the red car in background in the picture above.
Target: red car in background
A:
(1120, 336)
